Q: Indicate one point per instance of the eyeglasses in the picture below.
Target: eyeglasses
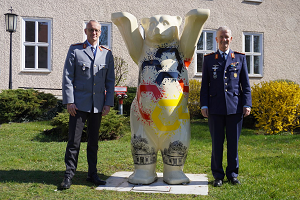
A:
(92, 30)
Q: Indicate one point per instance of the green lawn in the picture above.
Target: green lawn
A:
(32, 165)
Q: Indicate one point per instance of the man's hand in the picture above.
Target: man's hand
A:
(71, 107)
(246, 111)
(105, 110)
(204, 112)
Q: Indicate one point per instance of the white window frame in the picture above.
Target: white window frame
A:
(108, 34)
(204, 51)
(36, 44)
(252, 53)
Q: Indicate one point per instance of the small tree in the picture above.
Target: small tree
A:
(121, 70)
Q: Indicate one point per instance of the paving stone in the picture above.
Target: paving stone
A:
(118, 182)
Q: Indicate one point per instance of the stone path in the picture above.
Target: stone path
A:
(118, 182)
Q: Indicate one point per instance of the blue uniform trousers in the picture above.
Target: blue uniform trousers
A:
(221, 126)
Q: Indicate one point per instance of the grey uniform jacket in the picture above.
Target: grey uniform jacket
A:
(87, 81)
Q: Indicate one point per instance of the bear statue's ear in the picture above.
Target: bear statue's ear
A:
(179, 20)
(145, 23)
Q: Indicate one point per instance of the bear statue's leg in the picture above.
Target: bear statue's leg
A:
(144, 156)
(144, 152)
(144, 175)
(174, 154)
(173, 175)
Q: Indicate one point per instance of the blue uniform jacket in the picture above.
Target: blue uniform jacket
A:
(87, 81)
(225, 89)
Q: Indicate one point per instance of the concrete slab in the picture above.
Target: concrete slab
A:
(118, 182)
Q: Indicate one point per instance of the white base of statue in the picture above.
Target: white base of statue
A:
(198, 185)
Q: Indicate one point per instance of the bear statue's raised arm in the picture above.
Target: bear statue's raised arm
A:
(129, 29)
(193, 25)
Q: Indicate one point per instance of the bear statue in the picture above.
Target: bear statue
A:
(159, 117)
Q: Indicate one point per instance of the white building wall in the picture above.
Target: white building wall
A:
(278, 21)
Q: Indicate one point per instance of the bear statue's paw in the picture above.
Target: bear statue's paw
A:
(142, 176)
(175, 177)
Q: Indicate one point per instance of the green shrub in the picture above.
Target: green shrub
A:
(276, 106)
(112, 126)
(194, 98)
(24, 105)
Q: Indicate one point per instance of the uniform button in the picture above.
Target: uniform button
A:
(74, 86)
(225, 90)
(94, 83)
(225, 71)
(225, 83)
(95, 75)
(225, 77)
(83, 64)
(95, 66)
(94, 93)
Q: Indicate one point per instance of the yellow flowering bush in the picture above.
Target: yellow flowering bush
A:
(194, 98)
(276, 106)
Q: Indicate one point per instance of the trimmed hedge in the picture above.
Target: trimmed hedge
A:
(25, 105)
(112, 126)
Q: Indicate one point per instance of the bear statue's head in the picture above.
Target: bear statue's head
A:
(161, 29)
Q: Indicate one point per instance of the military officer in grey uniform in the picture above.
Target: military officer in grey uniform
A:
(88, 91)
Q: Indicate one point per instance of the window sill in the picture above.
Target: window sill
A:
(198, 75)
(250, 75)
(36, 70)
(255, 75)
(255, 1)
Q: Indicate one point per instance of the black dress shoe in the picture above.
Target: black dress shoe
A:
(96, 180)
(218, 183)
(234, 181)
(66, 183)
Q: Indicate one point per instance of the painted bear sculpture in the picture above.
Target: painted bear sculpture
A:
(159, 116)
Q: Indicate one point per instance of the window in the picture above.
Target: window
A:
(105, 37)
(253, 48)
(206, 44)
(36, 45)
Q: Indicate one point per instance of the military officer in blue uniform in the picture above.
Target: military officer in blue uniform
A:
(225, 99)
(88, 90)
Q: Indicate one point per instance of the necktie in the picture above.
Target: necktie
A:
(224, 56)
(93, 50)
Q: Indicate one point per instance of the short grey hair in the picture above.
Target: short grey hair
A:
(224, 28)
(92, 21)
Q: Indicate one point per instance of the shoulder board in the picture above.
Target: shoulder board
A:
(76, 44)
(209, 54)
(239, 52)
(105, 48)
